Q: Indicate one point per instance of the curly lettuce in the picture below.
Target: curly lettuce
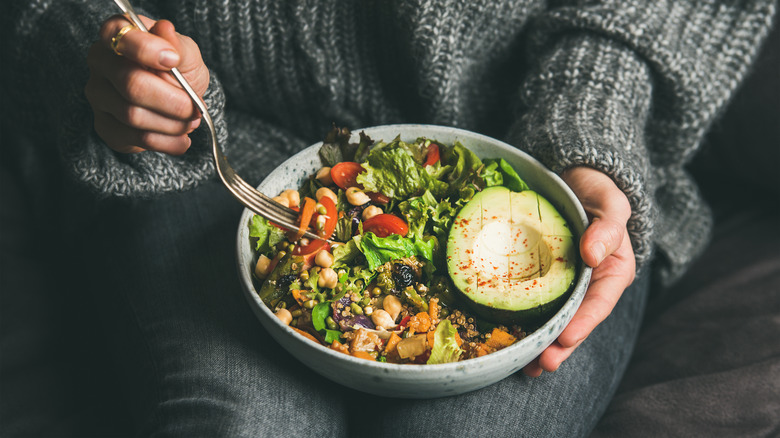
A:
(267, 235)
(445, 344)
(395, 170)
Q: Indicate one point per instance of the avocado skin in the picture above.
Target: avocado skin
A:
(532, 317)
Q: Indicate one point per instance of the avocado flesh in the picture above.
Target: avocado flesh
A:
(512, 255)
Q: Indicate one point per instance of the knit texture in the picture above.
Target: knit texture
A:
(627, 87)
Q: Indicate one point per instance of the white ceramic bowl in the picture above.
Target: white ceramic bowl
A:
(419, 381)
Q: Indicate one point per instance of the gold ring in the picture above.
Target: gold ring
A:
(115, 39)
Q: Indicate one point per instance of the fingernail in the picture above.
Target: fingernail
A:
(599, 251)
(169, 58)
(194, 124)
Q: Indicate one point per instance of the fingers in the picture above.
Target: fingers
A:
(533, 369)
(144, 48)
(134, 94)
(550, 360)
(125, 139)
(606, 247)
(135, 108)
(608, 282)
(103, 96)
(144, 88)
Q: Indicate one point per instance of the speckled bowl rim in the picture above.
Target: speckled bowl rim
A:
(574, 300)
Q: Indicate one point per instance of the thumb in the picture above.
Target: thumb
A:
(603, 237)
(608, 208)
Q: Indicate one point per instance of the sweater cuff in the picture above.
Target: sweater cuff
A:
(586, 104)
(146, 174)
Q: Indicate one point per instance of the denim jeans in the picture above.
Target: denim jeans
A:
(194, 361)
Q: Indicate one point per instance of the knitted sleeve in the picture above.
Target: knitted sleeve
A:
(629, 87)
(46, 48)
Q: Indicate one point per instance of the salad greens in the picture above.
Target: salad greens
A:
(445, 345)
(266, 234)
(384, 265)
(380, 250)
(394, 170)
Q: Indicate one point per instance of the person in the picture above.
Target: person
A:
(614, 96)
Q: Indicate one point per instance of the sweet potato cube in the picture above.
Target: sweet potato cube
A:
(392, 343)
(500, 339)
(412, 346)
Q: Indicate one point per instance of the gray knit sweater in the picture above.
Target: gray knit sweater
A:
(629, 87)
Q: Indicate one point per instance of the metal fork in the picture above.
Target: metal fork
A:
(241, 190)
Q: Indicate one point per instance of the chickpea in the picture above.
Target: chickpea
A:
(355, 196)
(328, 278)
(382, 319)
(284, 315)
(293, 197)
(263, 267)
(282, 200)
(323, 259)
(371, 211)
(326, 192)
(320, 224)
(392, 306)
(323, 176)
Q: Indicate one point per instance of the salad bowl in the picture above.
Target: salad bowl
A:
(418, 381)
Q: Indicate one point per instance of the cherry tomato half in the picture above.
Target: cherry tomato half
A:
(384, 225)
(433, 155)
(345, 174)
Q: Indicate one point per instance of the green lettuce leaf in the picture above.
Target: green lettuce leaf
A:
(356, 279)
(267, 235)
(319, 313)
(425, 247)
(312, 282)
(465, 167)
(332, 335)
(424, 214)
(380, 250)
(445, 346)
(343, 255)
(393, 170)
(512, 180)
(491, 174)
(337, 148)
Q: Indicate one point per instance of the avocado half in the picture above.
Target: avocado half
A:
(512, 255)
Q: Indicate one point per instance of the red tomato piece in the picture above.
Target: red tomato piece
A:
(310, 250)
(433, 155)
(384, 225)
(345, 174)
